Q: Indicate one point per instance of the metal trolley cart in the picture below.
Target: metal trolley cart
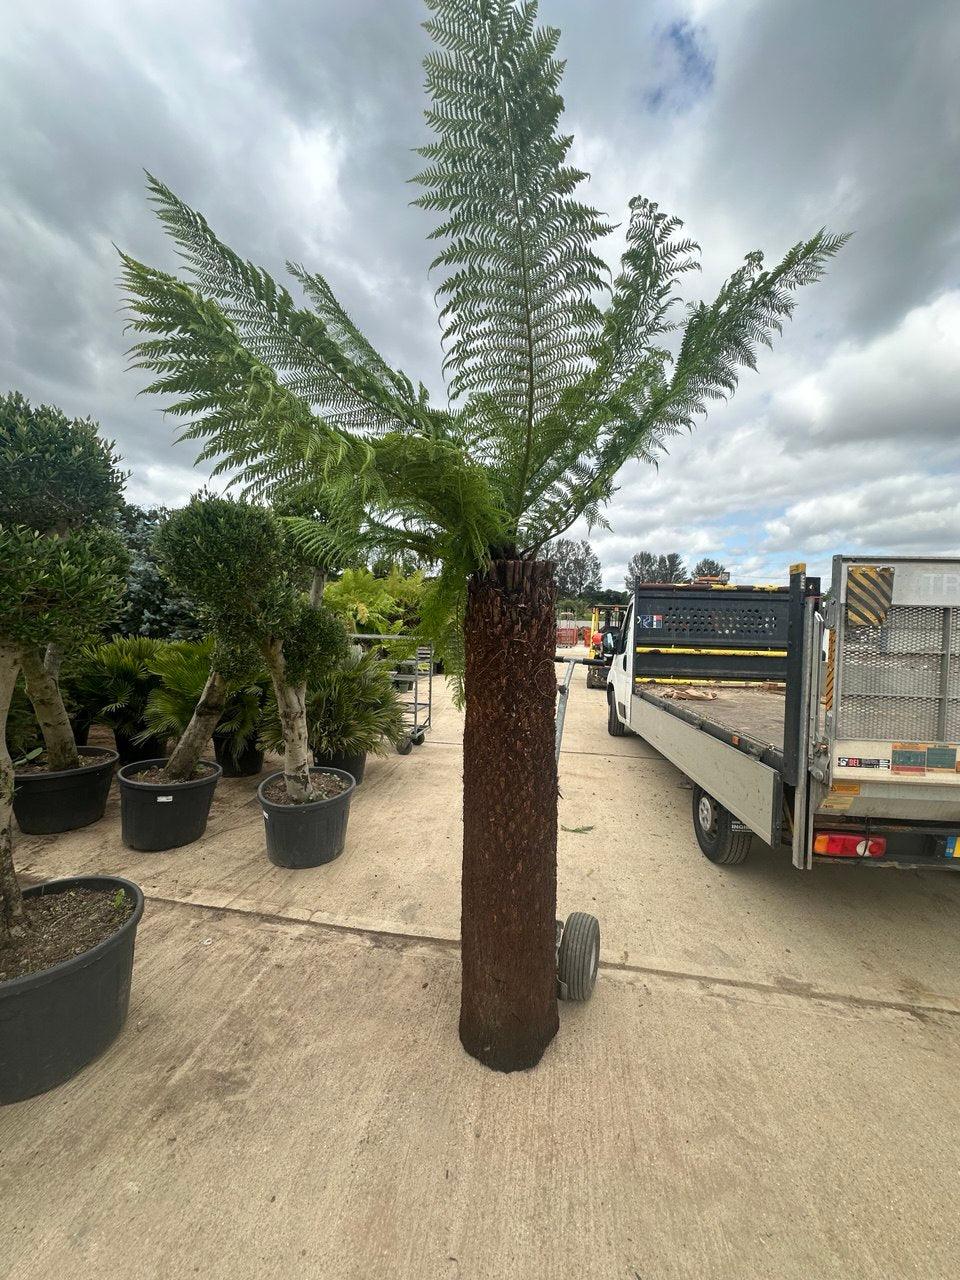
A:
(413, 679)
(578, 937)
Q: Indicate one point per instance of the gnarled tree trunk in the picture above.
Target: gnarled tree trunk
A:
(508, 1011)
(186, 754)
(11, 903)
(292, 708)
(44, 693)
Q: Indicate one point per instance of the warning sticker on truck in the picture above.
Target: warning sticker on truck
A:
(650, 621)
(858, 762)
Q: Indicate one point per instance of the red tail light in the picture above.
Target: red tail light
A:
(849, 844)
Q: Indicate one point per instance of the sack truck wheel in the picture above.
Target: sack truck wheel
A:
(417, 738)
(578, 956)
(615, 727)
(716, 834)
(405, 746)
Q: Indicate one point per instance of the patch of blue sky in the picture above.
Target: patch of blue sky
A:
(687, 68)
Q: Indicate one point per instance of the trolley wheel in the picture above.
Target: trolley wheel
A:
(418, 737)
(596, 678)
(615, 726)
(578, 956)
(405, 746)
(713, 826)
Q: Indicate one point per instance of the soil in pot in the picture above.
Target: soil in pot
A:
(64, 990)
(353, 764)
(157, 814)
(63, 925)
(46, 802)
(247, 763)
(311, 833)
(325, 787)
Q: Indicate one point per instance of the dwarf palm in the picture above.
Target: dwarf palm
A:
(556, 376)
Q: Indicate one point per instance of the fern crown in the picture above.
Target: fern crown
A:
(556, 373)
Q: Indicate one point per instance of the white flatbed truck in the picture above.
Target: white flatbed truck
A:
(826, 724)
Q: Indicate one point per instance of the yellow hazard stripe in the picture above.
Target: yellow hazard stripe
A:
(869, 595)
(831, 669)
(721, 653)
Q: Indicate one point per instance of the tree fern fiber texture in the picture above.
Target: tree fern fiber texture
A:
(509, 889)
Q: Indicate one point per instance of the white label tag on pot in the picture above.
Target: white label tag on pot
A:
(164, 799)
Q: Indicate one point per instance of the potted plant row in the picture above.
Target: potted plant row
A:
(232, 561)
(66, 947)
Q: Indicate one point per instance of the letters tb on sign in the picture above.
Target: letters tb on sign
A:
(650, 621)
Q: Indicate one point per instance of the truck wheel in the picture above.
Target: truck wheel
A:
(615, 726)
(713, 826)
(578, 957)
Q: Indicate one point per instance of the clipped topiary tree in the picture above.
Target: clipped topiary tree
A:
(231, 560)
(61, 578)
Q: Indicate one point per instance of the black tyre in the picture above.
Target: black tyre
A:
(615, 726)
(578, 957)
(418, 738)
(405, 746)
(717, 831)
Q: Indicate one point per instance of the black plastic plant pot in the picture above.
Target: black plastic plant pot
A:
(157, 816)
(246, 764)
(131, 752)
(66, 799)
(355, 765)
(306, 835)
(54, 1022)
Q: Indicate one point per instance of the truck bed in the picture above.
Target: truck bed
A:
(750, 719)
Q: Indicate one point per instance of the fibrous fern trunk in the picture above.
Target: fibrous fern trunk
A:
(186, 754)
(11, 903)
(508, 1012)
(44, 693)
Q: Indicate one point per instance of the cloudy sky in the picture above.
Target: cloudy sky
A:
(289, 123)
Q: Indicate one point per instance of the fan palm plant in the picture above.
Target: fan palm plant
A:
(352, 709)
(184, 669)
(556, 375)
(111, 683)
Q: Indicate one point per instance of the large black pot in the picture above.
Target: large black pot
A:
(164, 816)
(65, 799)
(131, 752)
(355, 765)
(247, 764)
(306, 835)
(54, 1022)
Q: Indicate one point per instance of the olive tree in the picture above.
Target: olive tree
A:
(232, 560)
(61, 578)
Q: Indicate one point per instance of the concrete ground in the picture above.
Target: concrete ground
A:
(763, 1085)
